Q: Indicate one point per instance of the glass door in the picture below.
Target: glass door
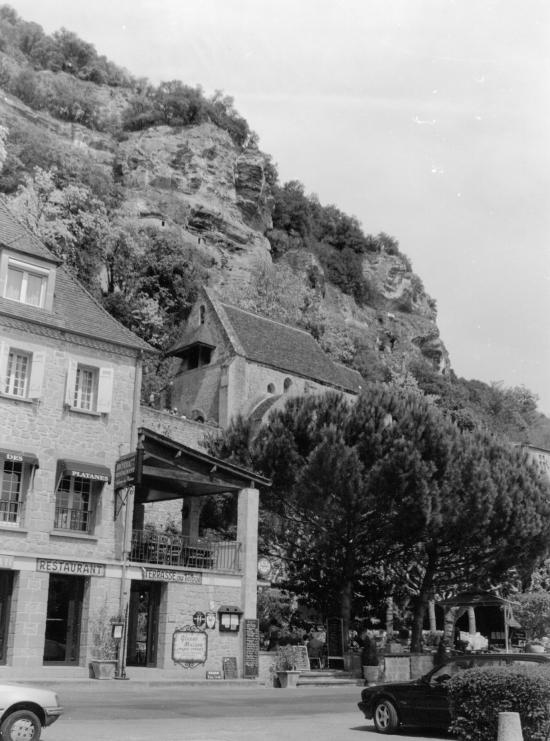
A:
(63, 618)
(6, 589)
(143, 623)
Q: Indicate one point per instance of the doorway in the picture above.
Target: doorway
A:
(63, 619)
(143, 622)
(6, 589)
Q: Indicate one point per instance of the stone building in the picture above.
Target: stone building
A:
(77, 474)
(232, 362)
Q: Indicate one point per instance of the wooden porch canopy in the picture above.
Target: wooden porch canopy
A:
(165, 469)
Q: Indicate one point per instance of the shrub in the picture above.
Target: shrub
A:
(477, 696)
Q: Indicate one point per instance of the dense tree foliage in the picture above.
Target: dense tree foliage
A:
(58, 73)
(61, 51)
(300, 221)
(364, 492)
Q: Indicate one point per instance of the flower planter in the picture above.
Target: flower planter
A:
(103, 668)
(534, 648)
(288, 678)
(371, 673)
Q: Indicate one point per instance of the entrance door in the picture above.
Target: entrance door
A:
(62, 640)
(143, 623)
(6, 588)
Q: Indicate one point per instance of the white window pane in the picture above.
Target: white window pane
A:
(18, 374)
(85, 388)
(34, 289)
(15, 283)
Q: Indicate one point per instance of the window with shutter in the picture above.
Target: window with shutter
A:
(21, 371)
(89, 388)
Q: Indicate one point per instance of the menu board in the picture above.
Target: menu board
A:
(335, 638)
(229, 667)
(189, 647)
(251, 648)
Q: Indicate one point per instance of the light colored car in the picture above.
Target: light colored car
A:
(24, 711)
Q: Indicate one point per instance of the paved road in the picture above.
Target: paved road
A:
(116, 711)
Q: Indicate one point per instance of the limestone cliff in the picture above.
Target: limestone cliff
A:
(197, 179)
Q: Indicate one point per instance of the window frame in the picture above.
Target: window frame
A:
(66, 514)
(101, 395)
(9, 387)
(85, 389)
(27, 269)
(34, 377)
(25, 471)
(28, 265)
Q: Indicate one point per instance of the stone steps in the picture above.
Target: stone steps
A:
(328, 678)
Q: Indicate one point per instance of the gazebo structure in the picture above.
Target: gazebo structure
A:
(469, 601)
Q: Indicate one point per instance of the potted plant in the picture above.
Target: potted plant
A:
(370, 660)
(103, 647)
(286, 667)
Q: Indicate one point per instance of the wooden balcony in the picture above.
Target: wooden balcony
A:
(177, 550)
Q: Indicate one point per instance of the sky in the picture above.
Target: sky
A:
(426, 119)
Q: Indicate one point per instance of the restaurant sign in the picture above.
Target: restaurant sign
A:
(125, 471)
(178, 577)
(74, 568)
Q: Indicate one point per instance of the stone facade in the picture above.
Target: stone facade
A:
(231, 362)
(70, 379)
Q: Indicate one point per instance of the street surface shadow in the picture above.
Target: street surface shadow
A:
(431, 733)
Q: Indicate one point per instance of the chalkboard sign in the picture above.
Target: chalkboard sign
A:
(298, 657)
(251, 648)
(229, 667)
(335, 638)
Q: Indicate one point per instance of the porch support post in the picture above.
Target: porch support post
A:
(190, 525)
(247, 535)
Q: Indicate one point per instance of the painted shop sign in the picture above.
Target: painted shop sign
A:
(6, 562)
(179, 577)
(189, 646)
(125, 471)
(76, 568)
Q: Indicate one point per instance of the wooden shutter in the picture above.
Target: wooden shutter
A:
(4, 353)
(37, 374)
(105, 390)
(71, 383)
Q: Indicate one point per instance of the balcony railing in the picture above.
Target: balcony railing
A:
(9, 512)
(178, 550)
(74, 519)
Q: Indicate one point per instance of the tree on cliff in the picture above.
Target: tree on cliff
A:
(388, 484)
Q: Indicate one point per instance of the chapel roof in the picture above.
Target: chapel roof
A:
(281, 346)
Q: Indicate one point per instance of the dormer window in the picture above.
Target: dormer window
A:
(26, 283)
(30, 283)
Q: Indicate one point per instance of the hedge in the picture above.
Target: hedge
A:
(478, 695)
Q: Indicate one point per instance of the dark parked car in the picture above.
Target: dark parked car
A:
(424, 702)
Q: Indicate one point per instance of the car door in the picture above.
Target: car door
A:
(436, 708)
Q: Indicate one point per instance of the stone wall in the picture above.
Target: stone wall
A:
(49, 430)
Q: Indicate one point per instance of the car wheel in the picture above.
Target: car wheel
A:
(385, 716)
(21, 725)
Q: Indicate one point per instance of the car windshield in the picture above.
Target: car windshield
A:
(451, 669)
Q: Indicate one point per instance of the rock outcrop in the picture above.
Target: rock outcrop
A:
(196, 179)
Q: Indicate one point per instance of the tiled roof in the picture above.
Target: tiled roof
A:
(286, 348)
(15, 236)
(74, 309)
(196, 335)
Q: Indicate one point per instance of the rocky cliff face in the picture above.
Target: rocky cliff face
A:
(197, 179)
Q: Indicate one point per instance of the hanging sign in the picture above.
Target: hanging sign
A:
(199, 619)
(210, 620)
